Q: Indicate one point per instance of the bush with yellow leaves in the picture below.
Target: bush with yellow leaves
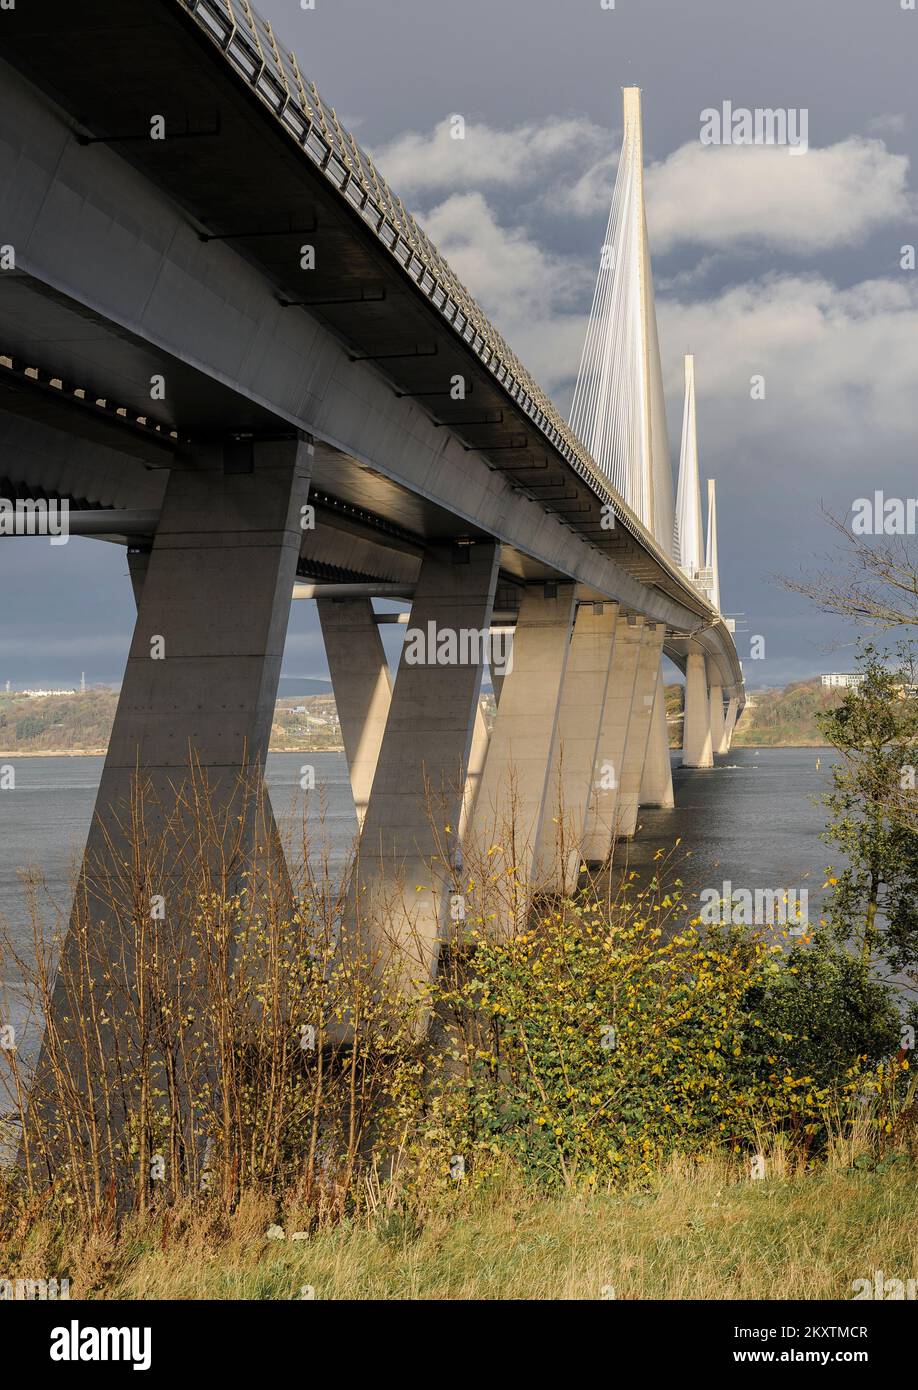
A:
(606, 1038)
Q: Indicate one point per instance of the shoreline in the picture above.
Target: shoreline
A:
(338, 748)
(101, 752)
(754, 747)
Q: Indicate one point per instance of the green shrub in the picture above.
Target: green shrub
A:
(596, 1045)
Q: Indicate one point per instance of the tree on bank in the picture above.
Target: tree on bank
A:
(844, 976)
(835, 999)
(874, 905)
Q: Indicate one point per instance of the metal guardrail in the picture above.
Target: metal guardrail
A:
(249, 43)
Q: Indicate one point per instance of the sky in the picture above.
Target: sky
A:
(765, 264)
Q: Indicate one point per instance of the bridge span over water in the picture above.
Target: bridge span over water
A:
(225, 340)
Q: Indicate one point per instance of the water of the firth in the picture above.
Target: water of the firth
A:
(753, 820)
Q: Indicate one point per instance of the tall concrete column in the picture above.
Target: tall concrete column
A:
(697, 750)
(657, 781)
(718, 727)
(397, 889)
(512, 797)
(570, 776)
(204, 663)
(189, 741)
(730, 722)
(362, 686)
(138, 565)
(642, 704)
(601, 816)
(497, 663)
(478, 754)
(497, 668)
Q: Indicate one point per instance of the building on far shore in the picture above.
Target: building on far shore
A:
(843, 680)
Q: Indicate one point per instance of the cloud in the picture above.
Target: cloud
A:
(533, 296)
(591, 193)
(839, 368)
(839, 363)
(685, 279)
(755, 196)
(893, 124)
(521, 157)
(714, 197)
(837, 422)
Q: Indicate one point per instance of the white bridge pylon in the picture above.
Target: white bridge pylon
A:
(619, 413)
(688, 536)
(696, 557)
(619, 410)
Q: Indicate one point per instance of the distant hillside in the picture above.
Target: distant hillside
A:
(57, 723)
(772, 718)
(786, 718)
(82, 723)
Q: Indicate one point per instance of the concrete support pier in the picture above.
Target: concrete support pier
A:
(657, 781)
(214, 600)
(642, 704)
(718, 723)
(601, 818)
(477, 757)
(174, 817)
(166, 605)
(697, 750)
(362, 686)
(730, 722)
(560, 845)
(512, 797)
(397, 892)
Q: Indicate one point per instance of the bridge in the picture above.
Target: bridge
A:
(226, 341)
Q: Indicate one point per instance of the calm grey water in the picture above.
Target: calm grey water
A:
(752, 820)
(45, 820)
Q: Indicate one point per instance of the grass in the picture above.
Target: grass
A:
(707, 1232)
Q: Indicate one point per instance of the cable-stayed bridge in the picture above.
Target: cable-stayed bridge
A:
(226, 341)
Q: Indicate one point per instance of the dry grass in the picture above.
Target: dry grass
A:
(705, 1232)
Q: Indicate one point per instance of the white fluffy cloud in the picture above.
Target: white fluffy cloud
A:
(713, 196)
(841, 354)
(840, 364)
(722, 196)
(533, 296)
(521, 157)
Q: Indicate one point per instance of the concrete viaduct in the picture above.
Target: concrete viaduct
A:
(226, 342)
